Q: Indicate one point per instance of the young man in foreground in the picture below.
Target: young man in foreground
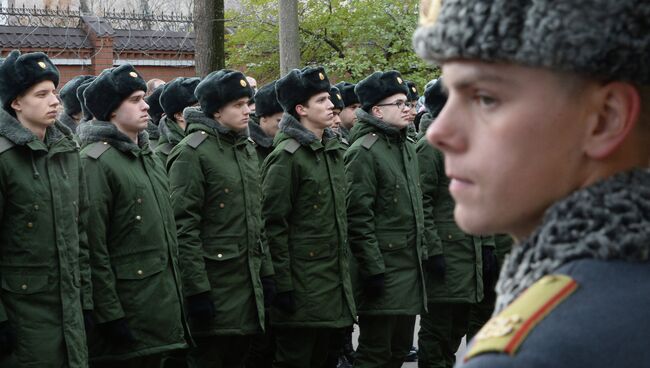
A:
(546, 137)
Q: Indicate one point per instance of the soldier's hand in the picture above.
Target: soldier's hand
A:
(117, 332)
(200, 308)
(7, 338)
(374, 286)
(269, 289)
(286, 302)
(436, 266)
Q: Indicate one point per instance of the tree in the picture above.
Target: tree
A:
(209, 29)
(289, 39)
(351, 39)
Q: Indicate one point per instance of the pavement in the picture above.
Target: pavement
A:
(461, 350)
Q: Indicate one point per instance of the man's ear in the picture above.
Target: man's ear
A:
(300, 110)
(15, 104)
(376, 112)
(178, 115)
(617, 111)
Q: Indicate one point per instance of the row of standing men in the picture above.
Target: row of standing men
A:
(236, 225)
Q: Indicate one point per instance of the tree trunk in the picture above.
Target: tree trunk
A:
(210, 30)
(289, 40)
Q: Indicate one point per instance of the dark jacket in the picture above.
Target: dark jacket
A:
(262, 142)
(132, 237)
(384, 206)
(303, 186)
(43, 253)
(216, 197)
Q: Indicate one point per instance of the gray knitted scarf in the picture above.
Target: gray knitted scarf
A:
(609, 220)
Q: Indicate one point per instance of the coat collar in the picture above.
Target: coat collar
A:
(170, 131)
(259, 136)
(196, 120)
(103, 131)
(290, 126)
(609, 220)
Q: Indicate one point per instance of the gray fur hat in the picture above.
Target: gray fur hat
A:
(604, 39)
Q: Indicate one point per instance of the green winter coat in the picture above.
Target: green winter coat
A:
(214, 177)
(44, 273)
(463, 282)
(385, 221)
(170, 135)
(303, 206)
(131, 232)
(262, 142)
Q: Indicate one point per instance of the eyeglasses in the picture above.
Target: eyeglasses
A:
(400, 104)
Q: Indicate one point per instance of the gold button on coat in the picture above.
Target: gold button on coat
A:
(140, 272)
(138, 217)
(30, 225)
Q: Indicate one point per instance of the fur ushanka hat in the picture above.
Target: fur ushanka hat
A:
(378, 86)
(347, 91)
(68, 94)
(178, 94)
(19, 72)
(266, 101)
(603, 39)
(87, 115)
(336, 98)
(298, 86)
(219, 88)
(105, 94)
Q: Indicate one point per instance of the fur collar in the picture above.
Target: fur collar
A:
(259, 136)
(194, 115)
(383, 127)
(68, 121)
(11, 129)
(292, 127)
(170, 131)
(152, 130)
(103, 131)
(609, 220)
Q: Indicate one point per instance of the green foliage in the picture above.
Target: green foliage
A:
(350, 38)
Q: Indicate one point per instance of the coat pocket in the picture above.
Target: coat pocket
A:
(140, 269)
(389, 243)
(221, 252)
(25, 284)
(312, 250)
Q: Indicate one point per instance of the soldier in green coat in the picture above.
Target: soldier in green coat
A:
(263, 125)
(214, 179)
(351, 104)
(174, 98)
(303, 207)
(155, 113)
(460, 268)
(43, 254)
(131, 229)
(385, 221)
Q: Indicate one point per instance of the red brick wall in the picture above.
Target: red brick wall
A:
(165, 73)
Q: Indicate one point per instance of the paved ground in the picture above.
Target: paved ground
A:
(355, 337)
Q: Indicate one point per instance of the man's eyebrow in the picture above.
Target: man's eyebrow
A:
(473, 78)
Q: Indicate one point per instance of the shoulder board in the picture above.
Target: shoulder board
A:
(5, 144)
(505, 332)
(368, 140)
(166, 148)
(292, 146)
(95, 150)
(197, 138)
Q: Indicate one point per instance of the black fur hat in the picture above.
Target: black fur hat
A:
(413, 91)
(219, 88)
(347, 91)
(298, 86)
(87, 115)
(68, 94)
(435, 98)
(105, 94)
(378, 86)
(19, 72)
(336, 98)
(266, 101)
(153, 100)
(178, 94)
